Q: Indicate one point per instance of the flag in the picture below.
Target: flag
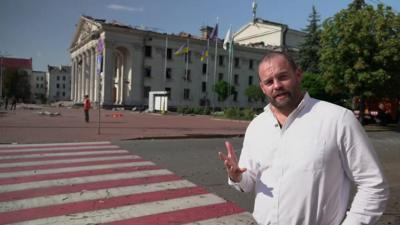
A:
(182, 50)
(214, 33)
(204, 54)
(228, 39)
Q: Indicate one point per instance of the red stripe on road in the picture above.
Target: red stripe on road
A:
(37, 192)
(17, 147)
(90, 205)
(66, 165)
(62, 157)
(184, 215)
(24, 179)
(56, 151)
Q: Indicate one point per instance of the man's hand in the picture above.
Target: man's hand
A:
(231, 163)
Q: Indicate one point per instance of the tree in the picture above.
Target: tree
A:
(360, 52)
(310, 48)
(16, 83)
(255, 93)
(223, 90)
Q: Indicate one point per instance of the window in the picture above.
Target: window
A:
(58, 86)
(58, 94)
(221, 60)
(147, 51)
(63, 86)
(63, 94)
(41, 85)
(168, 90)
(203, 86)
(169, 53)
(220, 76)
(168, 74)
(237, 62)
(58, 78)
(41, 78)
(37, 78)
(236, 79)
(37, 85)
(146, 91)
(204, 70)
(186, 93)
(63, 77)
(147, 71)
(251, 62)
(235, 96)
(250, 80)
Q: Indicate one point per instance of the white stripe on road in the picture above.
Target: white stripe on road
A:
(81, 180)
(244, 218)
(38, 156)
(60, 149)
(130, 211)
(52, 162)
(55, 144)
(92, 195)
(73, 169)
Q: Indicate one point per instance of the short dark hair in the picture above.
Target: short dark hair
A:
(286, 56)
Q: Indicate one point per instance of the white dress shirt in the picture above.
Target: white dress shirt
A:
(302, 173)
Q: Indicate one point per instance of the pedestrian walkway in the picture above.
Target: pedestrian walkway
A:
(100, 183)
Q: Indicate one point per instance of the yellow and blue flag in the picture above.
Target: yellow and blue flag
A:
(204, 54)
(182, 50)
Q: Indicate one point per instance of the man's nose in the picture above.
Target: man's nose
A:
(277, 84)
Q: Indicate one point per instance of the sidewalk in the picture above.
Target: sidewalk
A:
(34, 124)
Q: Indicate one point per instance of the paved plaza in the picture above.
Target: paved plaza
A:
(69, 175)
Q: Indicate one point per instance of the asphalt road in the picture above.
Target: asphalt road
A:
(197, 160)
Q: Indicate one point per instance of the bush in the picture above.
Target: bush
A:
(236, 113)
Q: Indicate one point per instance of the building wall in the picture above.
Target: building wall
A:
(58, 83)
(38, 84)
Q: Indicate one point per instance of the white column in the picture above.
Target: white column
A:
(76, 79)
(79, 78)
(108, 79)
(92, 73)
(72, 79)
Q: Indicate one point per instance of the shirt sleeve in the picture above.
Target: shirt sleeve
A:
(361, 165)
(246, 160)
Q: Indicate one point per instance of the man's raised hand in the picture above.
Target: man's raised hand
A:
(231, 163)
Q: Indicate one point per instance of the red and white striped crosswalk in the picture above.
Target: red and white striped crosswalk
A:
(99, 183)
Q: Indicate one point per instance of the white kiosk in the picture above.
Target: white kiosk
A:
(158, 101)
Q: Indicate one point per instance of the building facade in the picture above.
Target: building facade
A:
(38, 84)
(136, 61)
(19, 64)
(58, 83)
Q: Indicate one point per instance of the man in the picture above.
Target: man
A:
(86, 107)
(302, 155)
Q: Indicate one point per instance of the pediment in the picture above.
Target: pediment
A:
(85, 28)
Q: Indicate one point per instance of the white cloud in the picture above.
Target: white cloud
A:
(124, 8)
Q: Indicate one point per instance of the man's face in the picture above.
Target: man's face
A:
(280, 83)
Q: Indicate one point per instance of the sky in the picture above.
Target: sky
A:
(43, 29)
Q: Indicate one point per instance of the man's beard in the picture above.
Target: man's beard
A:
(288, 103)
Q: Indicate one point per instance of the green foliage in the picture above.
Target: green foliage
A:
(360, 52)
(309, 51)
(237, 113)
(223, 90)
(16, 83)
(255, 93)
(314, 84)
(194, 110)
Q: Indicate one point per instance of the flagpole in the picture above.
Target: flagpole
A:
(215, 67)
(165, 60)
(187, 59)
(206, 54)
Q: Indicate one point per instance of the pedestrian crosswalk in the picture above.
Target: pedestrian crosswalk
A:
(100, 183)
